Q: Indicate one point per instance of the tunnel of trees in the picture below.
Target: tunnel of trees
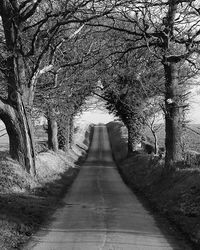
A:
(143, 55)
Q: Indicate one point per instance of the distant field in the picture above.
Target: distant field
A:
(4, 141)
(40, 137)
(190, 138)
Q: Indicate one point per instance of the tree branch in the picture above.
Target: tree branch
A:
(30, 10)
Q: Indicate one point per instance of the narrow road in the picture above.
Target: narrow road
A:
(101, 213)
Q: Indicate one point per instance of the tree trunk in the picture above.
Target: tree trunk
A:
(155, 142)
(52, 134)
(15, 111)
(131, 141)
(133, 135)
(21, 141)
(63, 134)
(173, 122)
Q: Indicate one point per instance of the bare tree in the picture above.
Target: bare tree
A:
(170, 31)
(153, 119)
(28, 32)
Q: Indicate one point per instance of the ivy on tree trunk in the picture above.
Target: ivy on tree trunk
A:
(63, 133)
(134, 135)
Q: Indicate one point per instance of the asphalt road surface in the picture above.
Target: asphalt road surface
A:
(102, 213)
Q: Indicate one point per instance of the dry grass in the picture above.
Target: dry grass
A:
(176, 195)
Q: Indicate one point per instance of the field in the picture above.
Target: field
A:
(190, 138)
(40, 138)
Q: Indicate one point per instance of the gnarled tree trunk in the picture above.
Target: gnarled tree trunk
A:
(173, 116)
(20, 135)
(13, 111)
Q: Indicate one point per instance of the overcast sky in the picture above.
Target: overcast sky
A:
(194, 101)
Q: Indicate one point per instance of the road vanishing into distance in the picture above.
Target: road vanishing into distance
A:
(102, 213)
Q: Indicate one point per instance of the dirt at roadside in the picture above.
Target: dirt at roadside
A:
(176, 195)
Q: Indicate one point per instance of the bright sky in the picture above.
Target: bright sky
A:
(97, 116)
(95, 112)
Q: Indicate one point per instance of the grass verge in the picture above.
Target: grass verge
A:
(176, 195)
(25, 202)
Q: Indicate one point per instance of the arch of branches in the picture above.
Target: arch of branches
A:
(53, 54)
